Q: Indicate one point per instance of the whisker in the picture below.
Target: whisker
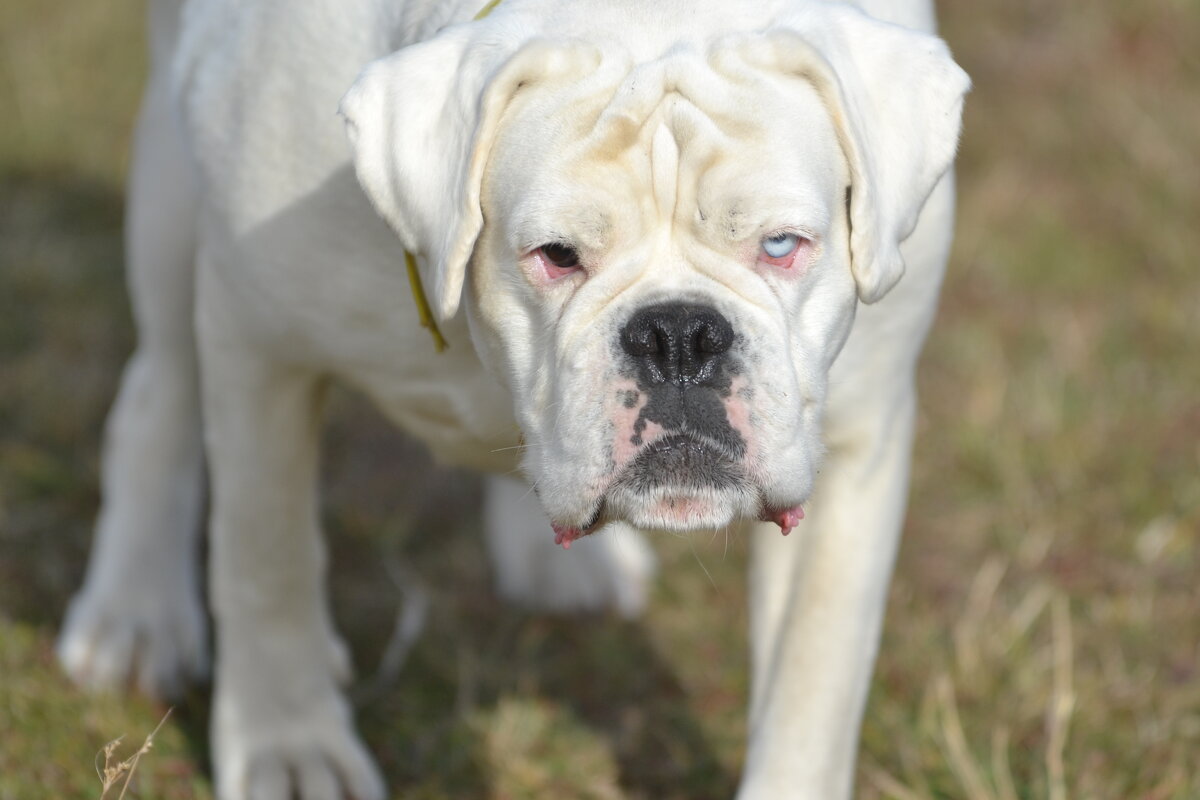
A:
(525, 446)
(696, 556)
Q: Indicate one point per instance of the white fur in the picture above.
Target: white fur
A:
(609, 570)
(664, 140)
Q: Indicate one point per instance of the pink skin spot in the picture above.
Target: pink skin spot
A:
(625, 417)
(684, 510)
(785, 518)
(737, 411)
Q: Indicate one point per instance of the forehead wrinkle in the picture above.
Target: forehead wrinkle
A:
(684, 145)
(664, 170)
(620, 123)
(699, 143)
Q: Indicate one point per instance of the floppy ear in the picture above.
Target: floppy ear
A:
(421, 122)
(896, 99)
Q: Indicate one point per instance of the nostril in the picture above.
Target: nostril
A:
(710, 334)
(642, 340)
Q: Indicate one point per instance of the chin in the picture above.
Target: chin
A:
(680, 483)
(681, 508)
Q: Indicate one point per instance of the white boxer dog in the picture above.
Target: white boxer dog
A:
(664, 242)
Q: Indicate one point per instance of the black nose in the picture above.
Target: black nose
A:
(678, 343)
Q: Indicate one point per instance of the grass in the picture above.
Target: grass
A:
(117, 773)
(1043, 634)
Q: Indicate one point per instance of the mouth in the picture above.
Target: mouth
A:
(786, 518)
(677, 482)
(681, 461)
(681, 482)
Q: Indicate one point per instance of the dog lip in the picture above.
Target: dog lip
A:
(711, 467)
(682, 441)
(680, 447)
(685, 461)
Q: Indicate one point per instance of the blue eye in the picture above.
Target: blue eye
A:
(780, 245)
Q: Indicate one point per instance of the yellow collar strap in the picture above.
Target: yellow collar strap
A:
(483, 12)
(424, 312)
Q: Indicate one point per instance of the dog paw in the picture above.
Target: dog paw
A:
(608, 570)
(318, 757)
(114, 639)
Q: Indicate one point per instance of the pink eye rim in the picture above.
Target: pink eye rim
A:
(558, 259)
(780, 249)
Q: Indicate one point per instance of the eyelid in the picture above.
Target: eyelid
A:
(772, 231)
(528, 248)
(528, 238)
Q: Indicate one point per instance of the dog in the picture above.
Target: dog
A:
(686, 254)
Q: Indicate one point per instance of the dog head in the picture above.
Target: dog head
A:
(661, 227)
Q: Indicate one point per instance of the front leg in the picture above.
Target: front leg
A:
(281, 726)
(610, 569)
(817, 603)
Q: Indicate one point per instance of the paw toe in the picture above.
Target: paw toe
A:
(102, 649)
(329, 771)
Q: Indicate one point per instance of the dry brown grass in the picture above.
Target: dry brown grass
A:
(116, 770)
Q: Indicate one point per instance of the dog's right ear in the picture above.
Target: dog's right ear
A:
(421, 122)
(896, 97)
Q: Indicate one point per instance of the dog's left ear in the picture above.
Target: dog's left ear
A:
(421, 122)
(896, 98)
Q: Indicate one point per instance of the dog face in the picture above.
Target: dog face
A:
(656, 274)
(667, 237)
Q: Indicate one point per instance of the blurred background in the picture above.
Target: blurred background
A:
(1043, 634)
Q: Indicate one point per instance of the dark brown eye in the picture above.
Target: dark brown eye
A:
(561, 255)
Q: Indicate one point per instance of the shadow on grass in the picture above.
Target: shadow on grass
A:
(64, 331)
(480, 667)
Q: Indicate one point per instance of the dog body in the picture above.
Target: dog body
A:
(647, 231)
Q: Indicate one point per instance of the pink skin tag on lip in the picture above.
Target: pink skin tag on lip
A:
(785, 518)
(564, 535)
